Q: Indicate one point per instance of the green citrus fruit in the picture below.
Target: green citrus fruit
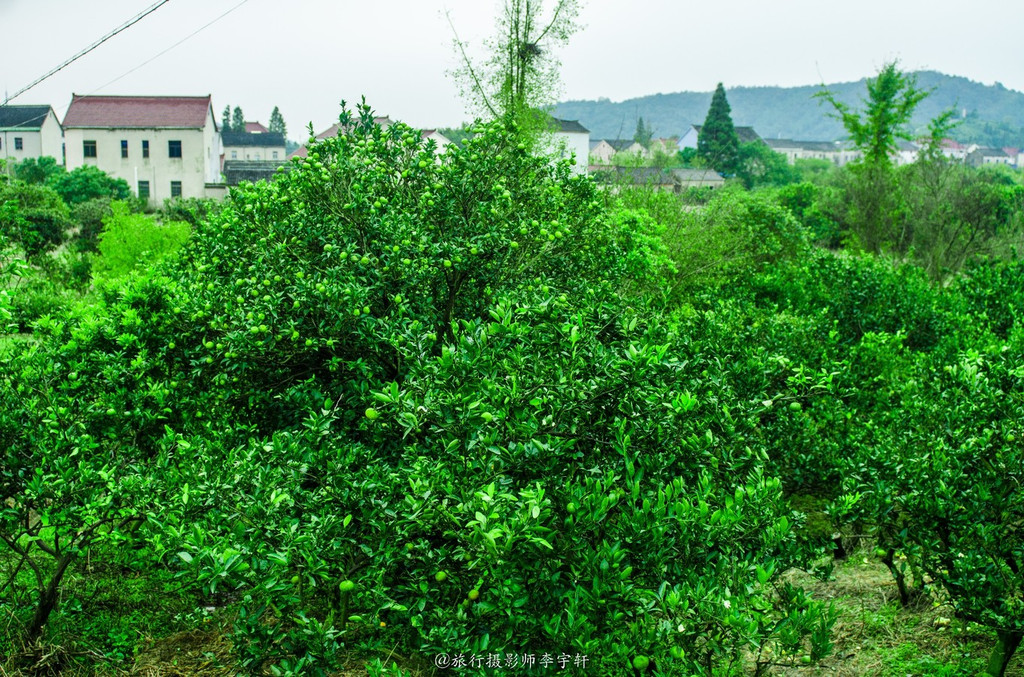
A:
(440, 576)
(346, 586)
(795, 406)
(372, 414)
(473, 594)
(641, 662)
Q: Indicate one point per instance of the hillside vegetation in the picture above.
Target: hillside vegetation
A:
(994, 114)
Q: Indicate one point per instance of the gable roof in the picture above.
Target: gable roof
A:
(188, 112)
(569, 126)
(23, 117)
(246, 139)
(255, 128)
(990, 152)
(620, 144)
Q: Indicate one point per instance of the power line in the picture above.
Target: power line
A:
(158, 55)
(76, 57)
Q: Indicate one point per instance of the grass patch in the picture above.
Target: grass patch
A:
(874, 635)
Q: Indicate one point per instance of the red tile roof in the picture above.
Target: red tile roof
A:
(137, 111)
(255, 128)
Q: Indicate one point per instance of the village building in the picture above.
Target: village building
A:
(30, 132)
(981, 156)
(163, 146)
(253, 146)
(690, 137)
(570, 138)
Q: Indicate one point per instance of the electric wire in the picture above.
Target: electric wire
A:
(159, 54)
(79, 55)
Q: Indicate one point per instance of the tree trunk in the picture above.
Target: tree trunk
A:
(1002, 652)
(48, 599)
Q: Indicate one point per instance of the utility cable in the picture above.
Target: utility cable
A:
(158, 55)
(76, 57)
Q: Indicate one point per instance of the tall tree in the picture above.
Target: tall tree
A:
(876, 217)
(892, 98)
(277, 125)
(717, 143)
(643, 133)
(238, 120)
(225, 119)
(521, 75)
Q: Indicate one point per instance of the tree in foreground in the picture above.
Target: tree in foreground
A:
(718, 143)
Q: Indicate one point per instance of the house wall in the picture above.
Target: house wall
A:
(196, 167)
(569, 143)
(255, 153)
(601, 154)
(441, 140)
(213, 146)
(689, 139)
(51, 138)
(31, 144)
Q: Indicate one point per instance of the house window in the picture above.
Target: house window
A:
(89, 148)
(145, 148)
(174, 149)
(275, 154)
(175, 188)
(234, 155)
(124, 148)
(17, 143)
(143, 188)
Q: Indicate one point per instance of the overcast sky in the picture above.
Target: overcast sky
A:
(307, 55)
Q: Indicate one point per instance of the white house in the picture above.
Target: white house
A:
(980, 156)
(30, 132)
(253, 146)
(617, 152)
(163, 146)
(572, 138)
(831, 151)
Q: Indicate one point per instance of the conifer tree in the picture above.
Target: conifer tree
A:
(718, 143)
(225, 119)
(238, 120)
(643, 133)
(276, 125)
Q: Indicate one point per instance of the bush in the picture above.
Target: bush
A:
(37, 170)
(130, 241)
(32, 216)
(88, 183)
(89, 216)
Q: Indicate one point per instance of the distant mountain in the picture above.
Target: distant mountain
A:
(991, 114)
